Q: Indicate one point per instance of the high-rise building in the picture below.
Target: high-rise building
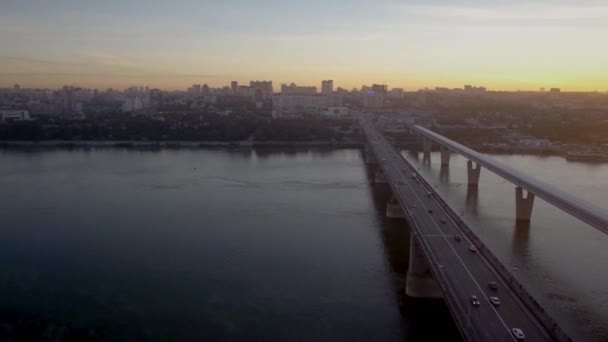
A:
(68, 99)
(156, 97)
(380, 88)
(245, 91)
(195, 89)
(396, 93)
(469, 89)
(263, 88)
(234, 85)
(373, 97)
(293, 89)
(327, 87)
(205, 90)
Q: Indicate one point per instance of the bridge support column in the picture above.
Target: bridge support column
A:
(473, 173)
(523, 206)
(420, 282)
(445, 156)
(369, 156)
(393, 209)
(380, 178)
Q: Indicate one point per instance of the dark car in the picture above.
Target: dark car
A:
(474, 300)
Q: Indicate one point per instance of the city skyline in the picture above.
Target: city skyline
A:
(411, 45)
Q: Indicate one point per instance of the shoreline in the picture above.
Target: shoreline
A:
(171, 144)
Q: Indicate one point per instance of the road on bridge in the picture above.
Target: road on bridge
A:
(460, 272)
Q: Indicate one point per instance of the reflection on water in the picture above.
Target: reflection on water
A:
(521, 238)
(444, 174)
(559, 259)
(190, 245)
(426, 159)
(472, 196)
(413, 154)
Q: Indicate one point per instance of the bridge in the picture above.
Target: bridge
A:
(448, 260)
(578, 208)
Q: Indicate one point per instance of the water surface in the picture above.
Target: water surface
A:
(203, 244)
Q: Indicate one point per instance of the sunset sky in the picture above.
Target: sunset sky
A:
(412, 44)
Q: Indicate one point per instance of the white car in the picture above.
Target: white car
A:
(473, 249)
(413, 205)
(518, 333)
(474, 300)
(495, 301)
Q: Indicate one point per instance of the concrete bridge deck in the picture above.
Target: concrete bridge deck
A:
(459, 272)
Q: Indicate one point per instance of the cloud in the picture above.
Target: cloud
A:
(509, 13)
(315, 37)
(29, 60)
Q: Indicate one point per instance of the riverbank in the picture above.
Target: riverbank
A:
(173, 144)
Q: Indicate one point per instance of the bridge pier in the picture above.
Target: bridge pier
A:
(380, 178)
(393, 209)
(420, 282)
(473, 173)
(369, 156)
(523, 206)
(445, 156)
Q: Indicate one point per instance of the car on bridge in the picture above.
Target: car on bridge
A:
(518, 333)
(492, 285)
(474, 300)
(457, 238)
(443, 220)
(495, 301)
(473, 249)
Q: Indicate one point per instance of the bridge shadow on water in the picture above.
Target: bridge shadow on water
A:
(444, 174)
(471, 201)
(520, 242)
(423, 319)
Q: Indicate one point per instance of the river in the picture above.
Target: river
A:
(191, 245)
(195, 244)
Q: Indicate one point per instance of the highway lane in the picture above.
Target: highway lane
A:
(463, 273)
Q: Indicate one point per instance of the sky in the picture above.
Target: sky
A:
(503, 45)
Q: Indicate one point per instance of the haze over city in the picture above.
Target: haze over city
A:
(410, 44)
(303, 170)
